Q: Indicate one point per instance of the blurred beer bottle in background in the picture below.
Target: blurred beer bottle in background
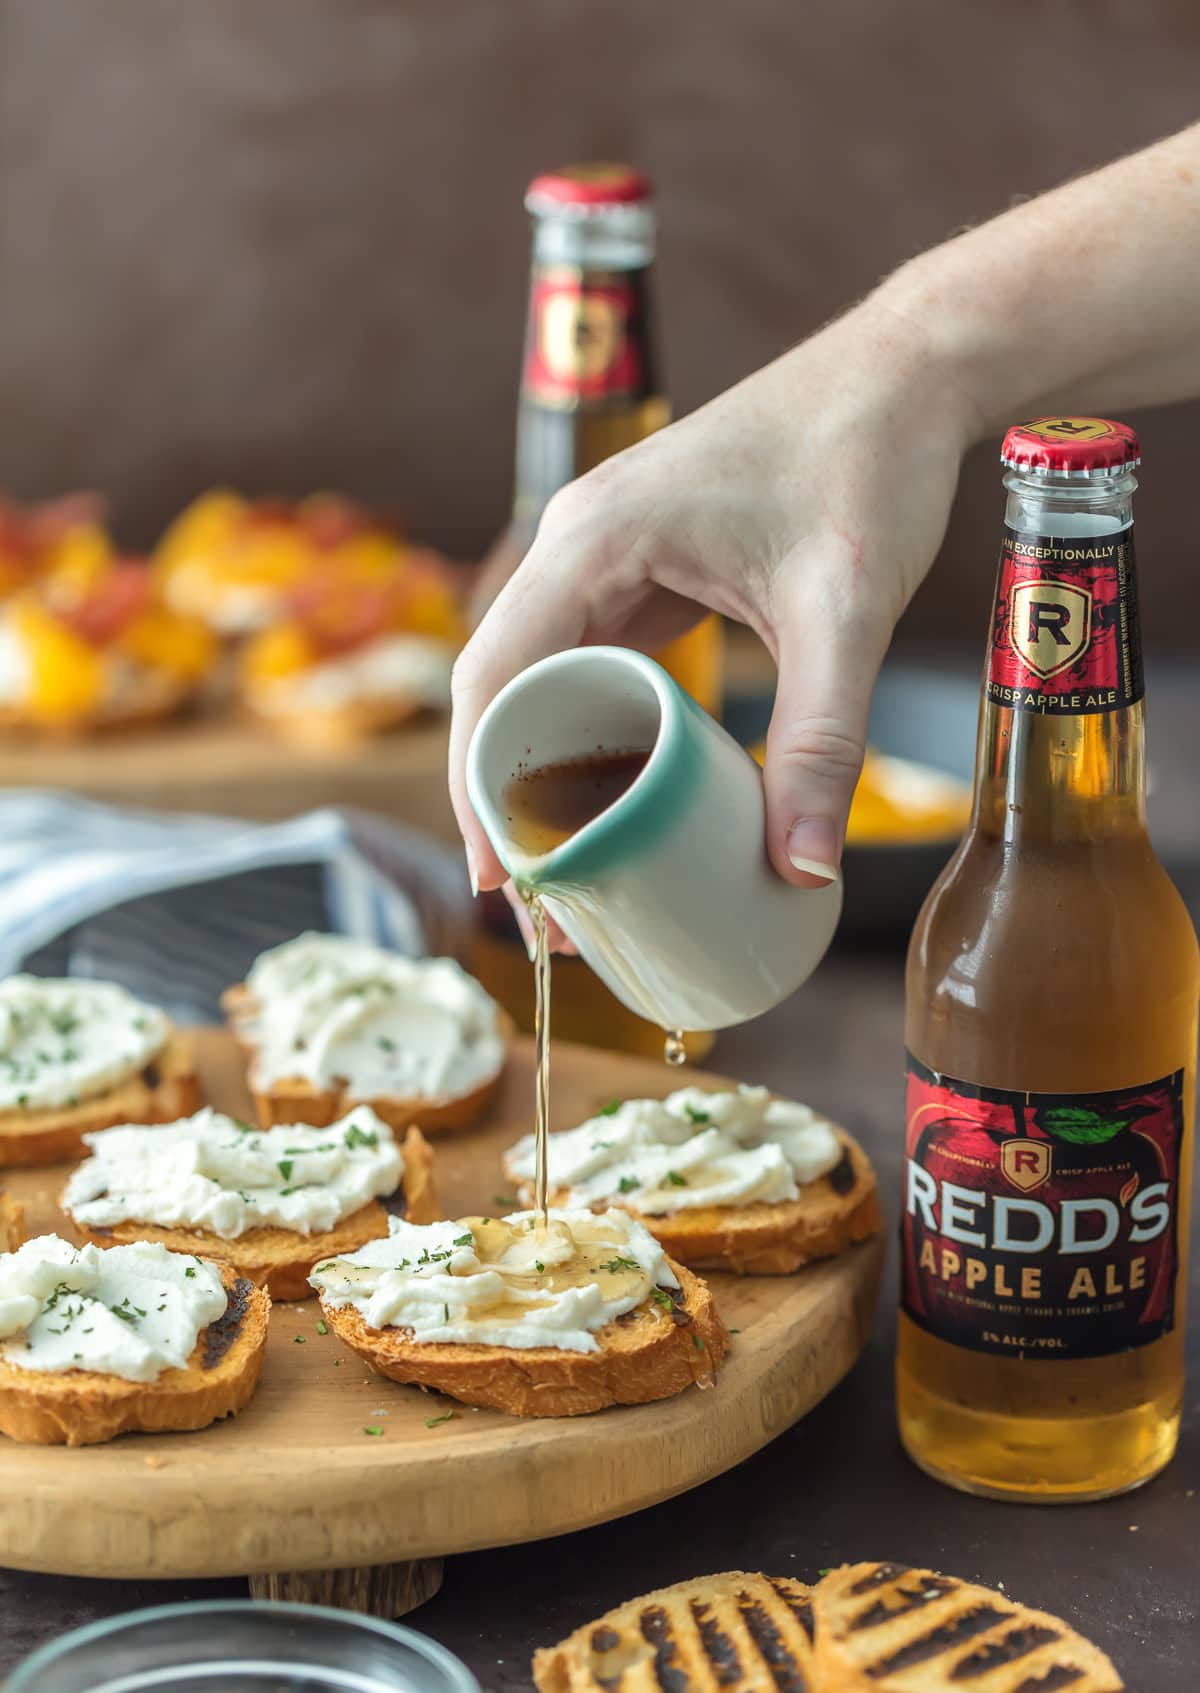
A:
(590, 387)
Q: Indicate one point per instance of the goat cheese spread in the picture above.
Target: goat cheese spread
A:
(693, 1148)
(130, 1311)
(217, 1173)
(413, 668)
(501, 1282)
(62, 1041)
(335, 1012)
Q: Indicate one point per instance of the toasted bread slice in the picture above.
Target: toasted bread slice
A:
(280, 1259)
(745, 1633)
(647, 1354)
(890, 1629)
(829, 1215)
(12, 1223)
(159, 698)
(84, 1407)
(297, 1101)
(163, 1091)
(338, 727)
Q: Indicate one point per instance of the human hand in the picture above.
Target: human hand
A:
(807, 502)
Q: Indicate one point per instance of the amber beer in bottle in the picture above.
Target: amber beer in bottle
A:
(1051, 1030)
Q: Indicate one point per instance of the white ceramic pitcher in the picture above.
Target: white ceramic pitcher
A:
(668, 894)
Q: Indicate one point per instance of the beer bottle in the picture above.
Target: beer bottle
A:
(590, 382)
(1051, 1029)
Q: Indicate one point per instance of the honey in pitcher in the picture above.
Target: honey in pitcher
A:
(544, 807)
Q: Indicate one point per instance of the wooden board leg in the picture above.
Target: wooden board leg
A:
(381, 1590)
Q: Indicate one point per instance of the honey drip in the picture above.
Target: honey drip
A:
(541, 1061)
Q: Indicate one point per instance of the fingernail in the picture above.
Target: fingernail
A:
(812, 847)
(472, 872)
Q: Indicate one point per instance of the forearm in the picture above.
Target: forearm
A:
(1084, 299)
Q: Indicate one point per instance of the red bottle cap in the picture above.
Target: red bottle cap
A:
(1078, 446)
(587, 187)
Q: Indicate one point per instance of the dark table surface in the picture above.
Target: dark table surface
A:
(835, 1488)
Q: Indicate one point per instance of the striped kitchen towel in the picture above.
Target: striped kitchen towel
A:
(177, 906)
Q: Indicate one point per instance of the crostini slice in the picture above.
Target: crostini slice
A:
(729, 1179)
(98, 1343)
(12, 1223)
(890, 1629)
(78, 1055)
(714, 1633)
(587, 1313)
(270, 1203)
(328, 1022)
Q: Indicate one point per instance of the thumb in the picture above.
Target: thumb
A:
(829, 658)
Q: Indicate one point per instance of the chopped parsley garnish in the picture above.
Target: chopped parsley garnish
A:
(503, 1199)
(285, 1167)
(299, 1339)
(322, 1327)
(372, 1428)
(467, 1239)
(609, 1110)
(539, 1266)
(243, 1126)
(602, 1146)
(355, 1136)
(189, 1271)
(299, 1188)
(445, 1313)
(628, 1183)
(616, 1265)
(428, 1257)
(828, 1570)
(698, 1116)
(675, 1179)
(662, 1298)
(432, 1422)
(327, 1265)
(697, 1343)
(22, 1099)
(385, 1043)
(128, 1313)
(302, 1151)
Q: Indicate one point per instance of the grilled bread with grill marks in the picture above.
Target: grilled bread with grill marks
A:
(280, 1259)
(830, 1214)
(889, 1629)
(746, 1633)
(161, 1092)
(297, 1101)
(647, 1354)
(84, 1407)
(12, 1223)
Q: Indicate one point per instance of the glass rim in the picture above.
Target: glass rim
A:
(44, 1657)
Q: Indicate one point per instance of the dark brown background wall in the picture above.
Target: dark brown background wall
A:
(279, 242)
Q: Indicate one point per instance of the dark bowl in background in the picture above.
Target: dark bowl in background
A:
(928, 713)
(928, 716)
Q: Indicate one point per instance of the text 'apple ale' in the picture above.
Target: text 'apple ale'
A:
(1051, 1029)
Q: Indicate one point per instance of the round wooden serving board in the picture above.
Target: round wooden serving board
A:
(295, 1484)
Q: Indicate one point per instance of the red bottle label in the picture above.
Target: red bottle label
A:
(1040, 1225)
(586, 344)
(1065, 635)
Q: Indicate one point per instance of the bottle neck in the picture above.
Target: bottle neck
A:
(1061, 751)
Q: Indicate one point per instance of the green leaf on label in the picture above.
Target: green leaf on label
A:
(1080, 1126)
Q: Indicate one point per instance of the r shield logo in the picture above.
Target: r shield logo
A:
(1050, 624)
(579, 335)
(1026, 1163)
(1069, 428)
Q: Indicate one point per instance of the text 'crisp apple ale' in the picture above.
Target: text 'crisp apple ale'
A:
(1051, 1029)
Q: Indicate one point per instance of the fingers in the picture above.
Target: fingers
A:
(832, 632)
(532, 616)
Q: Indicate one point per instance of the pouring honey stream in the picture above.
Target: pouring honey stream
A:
(543, 808)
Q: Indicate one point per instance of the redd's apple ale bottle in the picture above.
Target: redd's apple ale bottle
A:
(590, 379)
(1051, 1030)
